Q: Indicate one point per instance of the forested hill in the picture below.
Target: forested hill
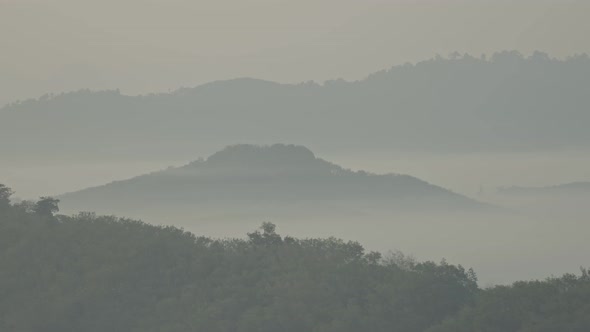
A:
(95, 274)
(508, 102)
(263, 177)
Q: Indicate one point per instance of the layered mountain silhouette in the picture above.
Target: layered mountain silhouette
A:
(264, 177)
(507, 102)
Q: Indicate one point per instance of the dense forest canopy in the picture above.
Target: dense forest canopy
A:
(102, 273)
(507, 102)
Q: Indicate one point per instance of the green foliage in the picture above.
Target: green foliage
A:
(5, 194)
(102, 273)
(47, 206)
(553, 305)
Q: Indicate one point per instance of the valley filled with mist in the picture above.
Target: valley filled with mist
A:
(263, 166)
(419, 158)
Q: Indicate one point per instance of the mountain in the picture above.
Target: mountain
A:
(254, 179)
(508, 102)
(573, 188)
(557, 202)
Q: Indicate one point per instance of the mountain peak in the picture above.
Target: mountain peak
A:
(247, 155)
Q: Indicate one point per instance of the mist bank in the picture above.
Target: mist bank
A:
(235, 189)
(502, 248)
(475, 175)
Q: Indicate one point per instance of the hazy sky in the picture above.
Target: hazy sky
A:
(155, 45)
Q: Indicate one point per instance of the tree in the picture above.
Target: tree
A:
(268, 235)
(5, 194)
(47, 206)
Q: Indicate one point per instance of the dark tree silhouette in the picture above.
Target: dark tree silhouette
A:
(5, 194)
(47, 206)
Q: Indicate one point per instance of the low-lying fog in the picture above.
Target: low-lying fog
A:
(540, 237)
(501, 249)
(475, 175)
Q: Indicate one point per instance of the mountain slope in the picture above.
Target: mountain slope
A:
(246, 177)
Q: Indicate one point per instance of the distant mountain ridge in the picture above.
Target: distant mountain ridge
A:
(572, 188)
(506, 103)
(259, 176)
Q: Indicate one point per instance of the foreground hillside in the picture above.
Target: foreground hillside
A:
(464, 104)
(90, 273)
(252, 180)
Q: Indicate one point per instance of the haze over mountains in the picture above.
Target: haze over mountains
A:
(507, 120)
(460, 122)
(251, 166)
(462, 104)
